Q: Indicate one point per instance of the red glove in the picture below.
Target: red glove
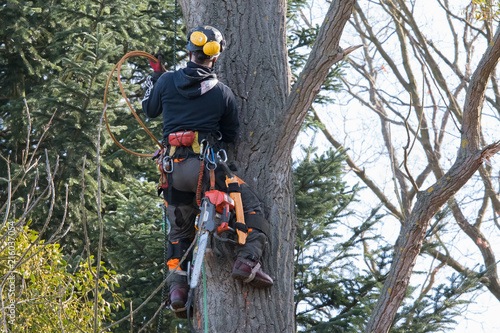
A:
(157, 66)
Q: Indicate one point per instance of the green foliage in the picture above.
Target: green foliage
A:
(134, 247)
(486, 10)
(333, 293)
(300, 39)
(57, 55)
(50, 297)
(435, 311)
(331, 296)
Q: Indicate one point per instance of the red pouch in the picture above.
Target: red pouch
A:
(185, 138)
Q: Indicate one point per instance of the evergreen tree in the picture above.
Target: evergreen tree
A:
(326, 279)
(58, 55)
(333, 293)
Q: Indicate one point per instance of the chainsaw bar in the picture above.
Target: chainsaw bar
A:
(198, 258)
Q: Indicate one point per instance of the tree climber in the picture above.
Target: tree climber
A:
(198, 108)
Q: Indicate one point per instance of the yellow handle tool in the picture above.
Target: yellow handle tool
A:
(240, 217)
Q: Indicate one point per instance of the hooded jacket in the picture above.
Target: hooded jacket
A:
(192, 98)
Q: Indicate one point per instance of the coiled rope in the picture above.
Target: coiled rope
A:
(118, 68)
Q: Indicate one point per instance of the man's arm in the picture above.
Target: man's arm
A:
(151, 103)
(229, 123)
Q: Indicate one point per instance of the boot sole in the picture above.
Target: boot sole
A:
(256, 282)
(181, 315)
(176, 305)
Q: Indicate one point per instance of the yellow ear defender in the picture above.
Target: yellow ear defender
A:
(207, 39)
(211, 48)
(198, 38)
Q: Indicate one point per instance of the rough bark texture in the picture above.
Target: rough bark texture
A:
(469, 158)
(255, 66)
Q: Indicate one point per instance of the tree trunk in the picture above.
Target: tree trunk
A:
(255, 66)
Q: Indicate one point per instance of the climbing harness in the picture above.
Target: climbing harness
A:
(218, 209)
(221, 213)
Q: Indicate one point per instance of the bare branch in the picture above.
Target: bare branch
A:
(323, 56)
(412, 235)
(361, 173)
(484, 247)
(101, 223)
(84, 214)
(474, 97)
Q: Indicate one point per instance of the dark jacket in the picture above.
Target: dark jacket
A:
(192, 98)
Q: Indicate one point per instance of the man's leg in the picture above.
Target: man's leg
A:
(177, 282)
(247, 266)
(181, 212)
(180, 239)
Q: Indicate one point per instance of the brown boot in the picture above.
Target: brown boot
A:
(250, 272)
(178, 295)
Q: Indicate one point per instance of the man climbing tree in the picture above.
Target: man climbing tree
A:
(199, 115)
(271, 112)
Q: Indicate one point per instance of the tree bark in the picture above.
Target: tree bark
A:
(255, 66)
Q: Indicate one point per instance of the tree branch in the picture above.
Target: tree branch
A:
(361, 173)
(325, 53)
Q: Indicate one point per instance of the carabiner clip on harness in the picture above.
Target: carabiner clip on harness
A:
(165, 166)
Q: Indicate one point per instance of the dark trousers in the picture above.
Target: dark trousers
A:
(182, 210)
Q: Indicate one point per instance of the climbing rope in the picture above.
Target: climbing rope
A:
(118, 69)
(205, 307)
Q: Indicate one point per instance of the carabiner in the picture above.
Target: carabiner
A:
(211, 162)
(222, 155)
(168, 164)
(203, 148)
(220, 135)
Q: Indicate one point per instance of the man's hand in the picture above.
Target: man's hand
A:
(157, 66)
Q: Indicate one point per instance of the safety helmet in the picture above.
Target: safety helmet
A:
(207, 39)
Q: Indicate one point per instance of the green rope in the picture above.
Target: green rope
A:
(205, 299)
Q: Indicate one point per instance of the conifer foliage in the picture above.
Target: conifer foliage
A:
(57, 55)
(326, 280)
(338, 277)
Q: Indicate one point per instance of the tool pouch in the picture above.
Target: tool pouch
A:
(183, 138)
